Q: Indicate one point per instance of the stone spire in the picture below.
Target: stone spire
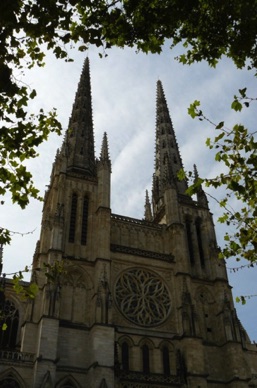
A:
(79, 140)
(148, 211)
(104, 155)
(201, 196)
(167, 157)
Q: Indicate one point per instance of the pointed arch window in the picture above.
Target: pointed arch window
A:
(68, 384)
(84, 225)
(190, 241)
(199, 241)
(8, 337)
(125, 356)
(9, 383)
(166, 360)
(73, 216)
(146, 359)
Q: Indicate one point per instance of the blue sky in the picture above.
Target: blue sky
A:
(124, 94)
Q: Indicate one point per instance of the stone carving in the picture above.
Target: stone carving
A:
(142, 297)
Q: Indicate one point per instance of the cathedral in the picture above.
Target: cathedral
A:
(123, 302)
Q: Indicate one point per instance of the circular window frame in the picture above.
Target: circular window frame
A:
(155, 306)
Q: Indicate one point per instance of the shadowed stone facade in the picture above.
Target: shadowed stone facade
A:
(127, 303)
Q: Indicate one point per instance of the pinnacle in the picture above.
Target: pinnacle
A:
(196, 175)
(148, 211)
(104, 155)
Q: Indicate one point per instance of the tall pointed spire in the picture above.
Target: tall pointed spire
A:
(167, 157)
(79, 141)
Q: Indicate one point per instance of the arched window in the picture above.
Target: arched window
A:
(166, 360)
(125, 356)
(11, 319)
(73, 215)
(67, 382)
(146, 359)
(190, 241)
(199, 241)
(84, 222)
(9, 383)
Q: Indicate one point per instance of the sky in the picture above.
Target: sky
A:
(123, 100)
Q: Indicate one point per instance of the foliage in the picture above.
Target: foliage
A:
(236, 148)
(53, 273)
(28, 292)
(207, 29)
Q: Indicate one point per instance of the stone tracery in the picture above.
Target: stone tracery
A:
(142, 297)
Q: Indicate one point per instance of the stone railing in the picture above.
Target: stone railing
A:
(141, 252)
(151, 378)
(135, 221)
(14, 356)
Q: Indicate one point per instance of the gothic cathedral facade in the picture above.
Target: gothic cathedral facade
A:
(124, 302)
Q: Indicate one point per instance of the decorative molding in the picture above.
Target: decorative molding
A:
(135, 221)
(143, 253)
(8, 355)
(149, 379)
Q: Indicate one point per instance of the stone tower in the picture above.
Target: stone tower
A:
(124, 302)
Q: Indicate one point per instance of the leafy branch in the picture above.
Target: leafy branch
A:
(236, 148)
(53, 273)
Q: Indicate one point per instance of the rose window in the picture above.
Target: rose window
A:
(142, 297)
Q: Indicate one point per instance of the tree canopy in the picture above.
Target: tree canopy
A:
(205, 29)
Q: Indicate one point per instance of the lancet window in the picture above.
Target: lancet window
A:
(199, 241)
(84, 221)
(125, 356)
(190, 241)
(73, 216)
(146, 359)
(166, 360)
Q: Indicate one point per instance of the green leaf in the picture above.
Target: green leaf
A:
(181, 174)
(236, 105)
(4, 326)
(220, 125)
(193, 109)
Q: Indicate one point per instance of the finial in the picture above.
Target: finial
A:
(196, 175)
(201, 196)
(148, 210)
(104, 159)
(104, 155)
